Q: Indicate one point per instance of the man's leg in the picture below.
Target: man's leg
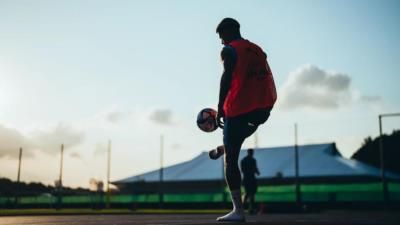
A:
(236, 130)
(252, 187)
(250, 123)
(232, 143)
(245, 199)
(251, 204)
(233, 179)
(232, 172)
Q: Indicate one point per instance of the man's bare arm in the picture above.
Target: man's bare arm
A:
(228, 58)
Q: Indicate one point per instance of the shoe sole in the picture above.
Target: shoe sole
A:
(238, 221)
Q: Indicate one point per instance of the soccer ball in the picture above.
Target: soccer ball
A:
(207, 120)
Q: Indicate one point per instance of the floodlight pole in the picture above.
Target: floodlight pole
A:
(161, 196)
(385, 191)
(61, 164)
(60, 178)
(108, 174)
(18, 176)
(19, 164)
(296, 165)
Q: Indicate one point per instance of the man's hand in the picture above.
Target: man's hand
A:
(220, 118)
(257, 171)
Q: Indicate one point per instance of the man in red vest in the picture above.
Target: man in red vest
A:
(246, 97)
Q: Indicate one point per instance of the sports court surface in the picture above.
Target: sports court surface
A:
(326, 218)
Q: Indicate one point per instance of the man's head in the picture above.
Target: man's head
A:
(250, 152)
(228, 30)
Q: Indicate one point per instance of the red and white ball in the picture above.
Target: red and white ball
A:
(207, 120)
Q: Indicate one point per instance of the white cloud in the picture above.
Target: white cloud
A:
(115, 115)
(311, 87)
(157, 116)
(49, 141)
(161, 116)
(371, 99)
(10, 142)
(75, 155)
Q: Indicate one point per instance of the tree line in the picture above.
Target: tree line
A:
(369, 152)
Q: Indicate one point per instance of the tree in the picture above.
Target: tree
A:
(369, 151)
(11, 188)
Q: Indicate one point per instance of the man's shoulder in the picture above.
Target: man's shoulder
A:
(259, 48)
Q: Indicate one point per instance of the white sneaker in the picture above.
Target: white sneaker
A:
(233, 216)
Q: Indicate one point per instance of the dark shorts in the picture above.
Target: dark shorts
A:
(237, 129)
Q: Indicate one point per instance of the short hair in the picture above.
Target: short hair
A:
(250, 151)
(228, 23)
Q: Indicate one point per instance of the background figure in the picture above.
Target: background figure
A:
(249, 170)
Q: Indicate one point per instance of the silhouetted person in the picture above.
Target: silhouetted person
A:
(249, 171)
(246, 96)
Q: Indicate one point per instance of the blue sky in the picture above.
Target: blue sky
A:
(83, 72)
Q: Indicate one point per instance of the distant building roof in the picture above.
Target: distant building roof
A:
(317, 160)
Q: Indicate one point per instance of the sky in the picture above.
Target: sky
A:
(81, 73)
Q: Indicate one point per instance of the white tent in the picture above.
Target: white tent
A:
(317, 162)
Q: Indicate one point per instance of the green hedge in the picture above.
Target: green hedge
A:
(281, 193)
